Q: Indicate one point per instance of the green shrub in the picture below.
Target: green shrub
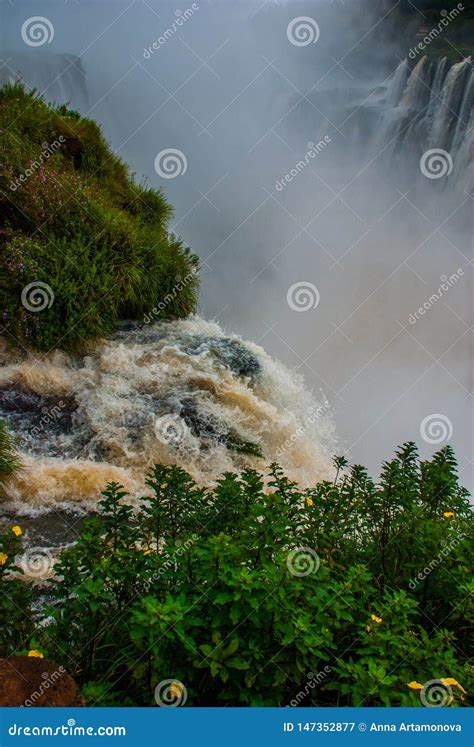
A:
(250, 592)
(15, 596)
(75, 220)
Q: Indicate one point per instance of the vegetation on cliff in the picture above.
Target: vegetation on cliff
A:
(82, 245)
(347, 593)
(405, 24)
(9, 459)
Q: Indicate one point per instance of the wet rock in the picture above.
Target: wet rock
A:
(127, 325)
(231, 353)
(51, 528)
(31, 681)
(208, 428)
(202, 424)
(13, 400)
(44, 411)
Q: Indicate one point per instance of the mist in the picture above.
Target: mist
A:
(358, 222)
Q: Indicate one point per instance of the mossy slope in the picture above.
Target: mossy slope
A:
(72, 217)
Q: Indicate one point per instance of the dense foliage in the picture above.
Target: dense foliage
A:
(401, 21)
(350, 592)
(73, 219)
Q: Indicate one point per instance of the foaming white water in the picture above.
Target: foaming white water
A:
(179, 392)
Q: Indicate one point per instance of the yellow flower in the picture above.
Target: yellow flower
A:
(451, 681)
(176, 689)
(309, 501)
(3, 558)
(376, 619)
(148, 552)
(17, 531)
(36, 653)
(414, 685)
(448, 514)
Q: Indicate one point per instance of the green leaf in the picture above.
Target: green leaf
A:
(237, 663)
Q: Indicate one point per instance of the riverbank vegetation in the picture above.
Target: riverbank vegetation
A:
(10, 461)
(451, 25)
(351, 592)
(80, 240)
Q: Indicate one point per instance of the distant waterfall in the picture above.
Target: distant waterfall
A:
(429, 107)
(60, 78)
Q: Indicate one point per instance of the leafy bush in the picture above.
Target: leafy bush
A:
(15, 596)
(75, 220)
(244, 592)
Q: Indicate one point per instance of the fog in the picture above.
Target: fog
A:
(358, 222)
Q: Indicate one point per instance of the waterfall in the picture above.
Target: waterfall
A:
(447, 112)
(437, 86)
(397, 83)
(429, 107)
(417, 90)
(60, 77)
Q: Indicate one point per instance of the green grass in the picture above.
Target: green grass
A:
(9, 459)
(79, 223)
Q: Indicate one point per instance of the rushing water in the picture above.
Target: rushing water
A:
(172, 392)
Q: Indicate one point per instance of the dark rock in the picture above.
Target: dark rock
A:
(31, 681)
(229, 352)
(34, 411)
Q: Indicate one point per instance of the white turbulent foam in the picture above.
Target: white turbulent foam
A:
(166, 393)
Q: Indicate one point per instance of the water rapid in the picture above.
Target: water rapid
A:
(178, 392)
